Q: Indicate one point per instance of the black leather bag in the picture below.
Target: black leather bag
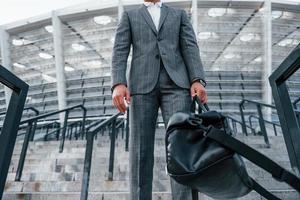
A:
(202, 154)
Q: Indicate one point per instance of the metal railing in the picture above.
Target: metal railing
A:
(51, 126)
(295, 103)
(261, 119)
(11, 122)
(30, 131)
(93, 130)
(235, 122)
(297, 111)
(285, 108)
(74, 129)
(35, 112)
(265, 121)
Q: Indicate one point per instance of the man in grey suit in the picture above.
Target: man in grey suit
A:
(165, 72)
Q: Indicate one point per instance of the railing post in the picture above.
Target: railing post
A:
(195, 194)
(33, 131)
(289, 123)
(112, 150)
(70, 132)
(275, 131)
(122, 129)
(46, 135)
(57, 134)
(235, 128)
(250, 121)
(127, 131)
(23, 152)
(262, 125)
(251, 124)
(12, 119)
(83, 121)
(244, 128)
(87, 166)
(62, 142)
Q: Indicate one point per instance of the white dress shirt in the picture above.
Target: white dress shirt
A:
(154, 10)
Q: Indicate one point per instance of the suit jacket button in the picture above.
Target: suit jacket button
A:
(157, 56)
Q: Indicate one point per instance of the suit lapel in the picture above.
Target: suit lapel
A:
(163, 14)
(148, 18)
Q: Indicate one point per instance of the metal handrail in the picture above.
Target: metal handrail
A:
(296, 101)
(262, 125)
(35, 111)
(37, 126)
(27, 108)
(31, 131)
(52, 113)
(93, 129)
(285, 109)
(266, 121)
(11, 122)
(297, 112)
(76, 132)
(53, 125)
(235, 121)
(58, 130)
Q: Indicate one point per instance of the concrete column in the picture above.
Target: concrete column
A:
(267, 55)
(59, 62)
(195, 16)
(120, 9)
(6, 59)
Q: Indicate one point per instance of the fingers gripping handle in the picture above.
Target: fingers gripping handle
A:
(202, 107)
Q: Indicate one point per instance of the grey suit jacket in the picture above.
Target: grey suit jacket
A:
(174, 43)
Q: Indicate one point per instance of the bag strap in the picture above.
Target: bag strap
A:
(278, 172)
(262, 191)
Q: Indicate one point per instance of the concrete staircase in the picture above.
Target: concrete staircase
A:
(49, 175)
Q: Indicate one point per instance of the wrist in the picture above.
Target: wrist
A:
(201, 81)
(116, 85)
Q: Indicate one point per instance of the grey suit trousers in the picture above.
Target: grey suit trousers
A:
(143, 116)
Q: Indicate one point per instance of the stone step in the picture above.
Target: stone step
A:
(106, 141)
(49, 174)
(103, 159)
(120, 159)
(76, 196)
(280, 148)
(159, 177)
(158, 137)
(159, 144)
(282, 194)
(74, 186)
(119, 155)
(119, 174)
(118, 166)
(108, 186)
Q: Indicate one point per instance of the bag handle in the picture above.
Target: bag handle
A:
(202, 107)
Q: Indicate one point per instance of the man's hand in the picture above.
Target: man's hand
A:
(199, 90)
(120, 94)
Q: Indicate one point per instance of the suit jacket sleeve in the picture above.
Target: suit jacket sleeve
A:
(121, 51)
(190, 50)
